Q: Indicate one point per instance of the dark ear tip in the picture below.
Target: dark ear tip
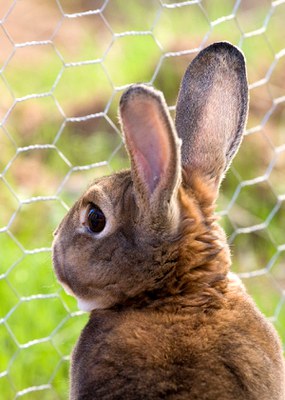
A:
(224, 49)
(139, 91)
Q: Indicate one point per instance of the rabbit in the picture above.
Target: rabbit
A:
(142, 251)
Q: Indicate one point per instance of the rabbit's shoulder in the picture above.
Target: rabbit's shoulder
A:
(229, 350)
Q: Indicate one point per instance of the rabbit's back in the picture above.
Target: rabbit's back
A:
(226, 353)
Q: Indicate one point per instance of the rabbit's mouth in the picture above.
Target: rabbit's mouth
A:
(60, 273)
(89, 305)
(98, 300)
(59, 268)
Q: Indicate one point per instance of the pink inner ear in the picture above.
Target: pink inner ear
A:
(148, 142)
(145, 170)
(150, 165)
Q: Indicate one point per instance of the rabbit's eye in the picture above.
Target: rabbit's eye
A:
(96, 220)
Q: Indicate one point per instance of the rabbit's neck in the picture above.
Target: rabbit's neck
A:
(194, 267)
(203, 253)
(203, 247)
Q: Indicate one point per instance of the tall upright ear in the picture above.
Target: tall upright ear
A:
(152, 144)
(212, 110)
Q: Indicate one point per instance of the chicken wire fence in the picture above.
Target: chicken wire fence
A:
(63, 67)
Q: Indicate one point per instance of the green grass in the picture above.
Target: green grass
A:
(40, 322)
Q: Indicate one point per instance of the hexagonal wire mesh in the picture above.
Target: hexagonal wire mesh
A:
(63, 67)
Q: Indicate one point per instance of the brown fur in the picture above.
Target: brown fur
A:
(168, 320)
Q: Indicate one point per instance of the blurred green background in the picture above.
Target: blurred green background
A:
(64, 66)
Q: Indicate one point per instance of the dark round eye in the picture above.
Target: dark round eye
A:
(96, 220)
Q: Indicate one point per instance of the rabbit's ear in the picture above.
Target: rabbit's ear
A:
(211, 111)
(153, 145)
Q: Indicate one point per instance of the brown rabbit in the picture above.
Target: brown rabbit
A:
(142, 251)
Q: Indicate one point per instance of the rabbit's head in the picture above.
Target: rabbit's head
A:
(149, 232)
